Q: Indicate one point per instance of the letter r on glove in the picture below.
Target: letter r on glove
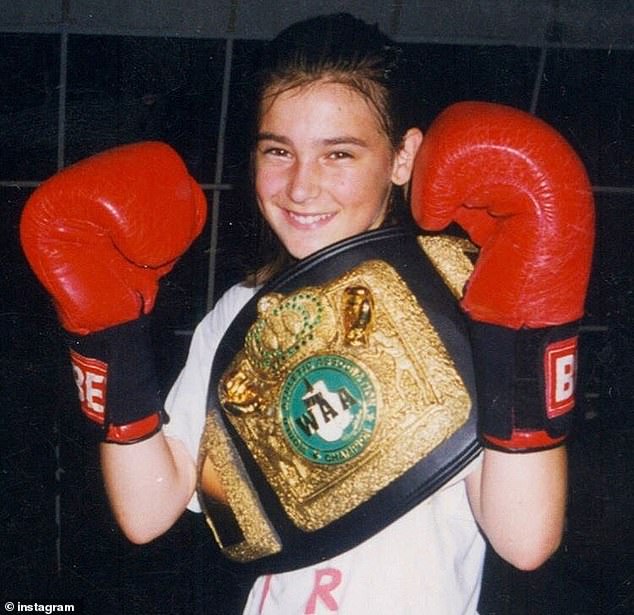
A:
(90, 377)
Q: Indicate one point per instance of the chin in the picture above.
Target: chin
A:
(303, 249)
(304, 252)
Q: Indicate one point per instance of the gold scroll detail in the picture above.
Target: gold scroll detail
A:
(369, 318)
(451, 258)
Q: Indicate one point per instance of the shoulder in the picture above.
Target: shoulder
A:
(225, 309)
(234, 299)
(212, 327)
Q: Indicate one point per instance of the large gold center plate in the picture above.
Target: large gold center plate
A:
(340, 389)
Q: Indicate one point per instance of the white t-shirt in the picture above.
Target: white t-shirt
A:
(429, 562)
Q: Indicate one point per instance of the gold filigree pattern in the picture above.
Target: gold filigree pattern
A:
(358, 315)
(451, 258)
(258, 536)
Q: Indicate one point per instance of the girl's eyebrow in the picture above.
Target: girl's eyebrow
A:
(271, 136)
(343, 140)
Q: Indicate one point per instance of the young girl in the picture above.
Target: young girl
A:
(332, 155)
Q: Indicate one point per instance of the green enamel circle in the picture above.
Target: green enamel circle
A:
(328, 409)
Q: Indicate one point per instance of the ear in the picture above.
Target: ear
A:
(405, 156)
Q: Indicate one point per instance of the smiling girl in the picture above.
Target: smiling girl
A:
(333, 151)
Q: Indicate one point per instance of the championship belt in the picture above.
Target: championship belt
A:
(340, 397)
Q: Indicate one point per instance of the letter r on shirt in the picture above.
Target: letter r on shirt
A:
(326, 581)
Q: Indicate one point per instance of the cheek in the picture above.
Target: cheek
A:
(370, 196)
(261, 186)
(265, 196)
(347, 188)
(268, 182)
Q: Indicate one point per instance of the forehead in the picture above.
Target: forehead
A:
(319, 106)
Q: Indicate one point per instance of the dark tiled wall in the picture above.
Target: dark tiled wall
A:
(62, 98)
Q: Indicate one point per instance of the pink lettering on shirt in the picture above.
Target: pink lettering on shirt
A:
(326, 581)
(265, 592)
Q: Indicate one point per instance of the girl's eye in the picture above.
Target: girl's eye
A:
(276, 151)
(339, 155)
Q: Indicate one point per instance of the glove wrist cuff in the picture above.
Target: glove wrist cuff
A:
(525, 382)
(117, 383)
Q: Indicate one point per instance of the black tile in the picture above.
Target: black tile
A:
(610, 353)
(240, 113)
(587, 95)
(238, 236)
(444, 74)
(30, 364)
(124, 89)
(238, 219)
(612, 276)
(29, 97)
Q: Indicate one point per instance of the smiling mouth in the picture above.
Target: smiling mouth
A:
(308, 219)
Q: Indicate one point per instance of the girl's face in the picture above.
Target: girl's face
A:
(324, 168)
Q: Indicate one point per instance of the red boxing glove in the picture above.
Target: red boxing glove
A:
(99, 235)
(522, 194)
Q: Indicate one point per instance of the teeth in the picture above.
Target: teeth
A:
(308, 219)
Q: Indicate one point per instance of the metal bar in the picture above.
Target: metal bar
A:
(538, 79)
(220, 150)
(61, 112)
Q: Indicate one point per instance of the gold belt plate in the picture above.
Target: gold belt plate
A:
(339, 390)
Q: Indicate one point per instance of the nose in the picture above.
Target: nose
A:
(304, 181)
